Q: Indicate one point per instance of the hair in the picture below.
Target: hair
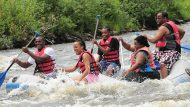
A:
(164, 14)
(82, 43)
(142, 40)
(41, 37)
(107, 28)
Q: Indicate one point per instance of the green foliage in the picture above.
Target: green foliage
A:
(5, 43)
(17, 20)
(183, 6)
(111, 14)
(132, 24)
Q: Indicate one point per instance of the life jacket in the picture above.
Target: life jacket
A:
(94, 69)
(170, 41)
(112, 55)
(46, 66)
(148, 65)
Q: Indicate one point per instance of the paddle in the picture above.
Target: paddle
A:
(97, 22)
(186, 47)
(121, 53)
(3, 74)
(120, 77)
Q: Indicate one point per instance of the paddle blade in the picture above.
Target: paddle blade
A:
(98, 17)
(186, 48)
(36, 34)
(2, 77)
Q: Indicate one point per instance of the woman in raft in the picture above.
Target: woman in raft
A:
(86, 63)
(142, 63)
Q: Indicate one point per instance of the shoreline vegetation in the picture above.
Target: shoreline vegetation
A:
(69, 20)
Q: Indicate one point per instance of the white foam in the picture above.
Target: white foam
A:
(169, 103)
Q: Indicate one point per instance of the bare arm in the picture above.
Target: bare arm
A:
(139, 60)
(21, 63)
(69, 69)
(38, 58)
(86, 58)
(100, 47)
(127, 46)
(35, 57)
(160, 33)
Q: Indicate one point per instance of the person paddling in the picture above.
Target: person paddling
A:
(142, 64)
(167, 40)
(108, 51)
(86, 63)
(43, 57)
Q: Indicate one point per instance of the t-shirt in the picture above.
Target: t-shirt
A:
(48, 51)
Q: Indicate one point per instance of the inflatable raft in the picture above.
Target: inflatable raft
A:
(179, 74)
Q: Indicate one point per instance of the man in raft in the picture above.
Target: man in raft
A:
(167, 40)
(108, 51)
(43, 57)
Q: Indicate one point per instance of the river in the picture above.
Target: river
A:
(151, 93)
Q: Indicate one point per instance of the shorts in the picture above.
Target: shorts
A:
(92, 78)
(168, 57)
(104, 65)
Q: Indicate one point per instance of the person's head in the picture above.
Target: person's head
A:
(141, 41)
(39, 42)
(79, 47)
(105, 32)
(161, 18)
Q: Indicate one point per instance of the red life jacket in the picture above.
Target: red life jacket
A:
(150, 58)
(94, 69)
(167, 38)
(46, 66)
(112, 55)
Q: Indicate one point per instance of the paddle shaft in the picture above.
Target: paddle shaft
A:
(121, 53)
(97, 22)
(20, 53)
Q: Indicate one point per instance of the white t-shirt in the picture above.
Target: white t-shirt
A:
(48, 51)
